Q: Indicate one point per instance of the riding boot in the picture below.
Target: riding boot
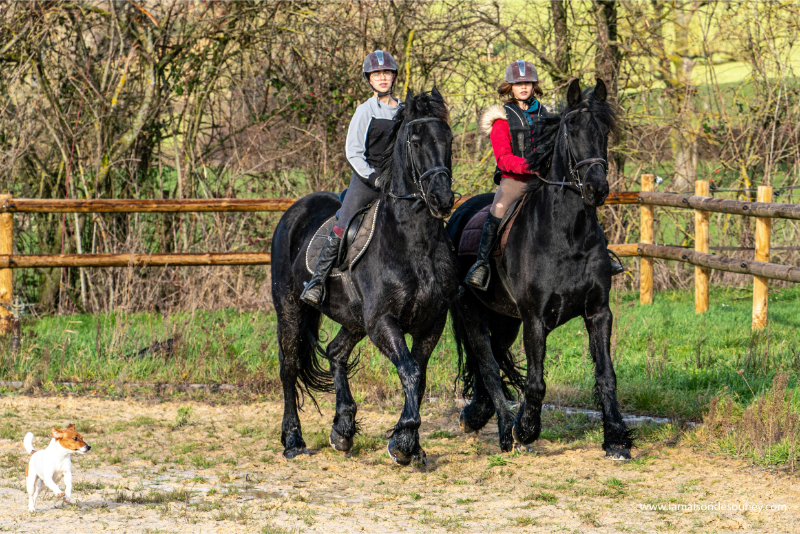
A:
(314, 293)
(480, 273)
(616, 266)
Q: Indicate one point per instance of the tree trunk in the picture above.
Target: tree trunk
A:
(561, 38)
(683, 136)
(608, 55)
(607, 62)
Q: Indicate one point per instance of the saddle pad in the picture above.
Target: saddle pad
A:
(471, 235)
(355, 249)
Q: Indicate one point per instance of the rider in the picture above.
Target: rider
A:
(367, 139)
(512, 121)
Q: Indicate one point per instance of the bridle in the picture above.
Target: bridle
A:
(574, 165)
(417, 176)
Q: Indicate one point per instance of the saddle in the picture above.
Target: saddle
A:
(356, 239)
(471, 235)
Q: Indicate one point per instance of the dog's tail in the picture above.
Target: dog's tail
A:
(28, 442)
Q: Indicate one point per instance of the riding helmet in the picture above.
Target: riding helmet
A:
(521, 71)
(378, 61)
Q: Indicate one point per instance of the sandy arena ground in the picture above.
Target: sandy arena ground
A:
(226, 460)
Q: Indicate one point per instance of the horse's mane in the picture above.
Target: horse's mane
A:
(545, 133)
(425, 104)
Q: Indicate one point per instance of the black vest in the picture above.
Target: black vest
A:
(521, 141)
(377, 141)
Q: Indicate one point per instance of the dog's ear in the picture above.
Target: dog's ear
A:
(71, 426)
(57, 433)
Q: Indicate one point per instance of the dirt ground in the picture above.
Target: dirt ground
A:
(154, 467)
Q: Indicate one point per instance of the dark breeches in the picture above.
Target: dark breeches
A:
(358, 195)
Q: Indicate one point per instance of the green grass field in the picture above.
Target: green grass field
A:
(668, 360)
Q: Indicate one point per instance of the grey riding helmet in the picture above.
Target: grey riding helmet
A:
(378, 61)
(521, 71)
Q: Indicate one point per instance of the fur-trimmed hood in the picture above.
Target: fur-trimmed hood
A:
(492, 114)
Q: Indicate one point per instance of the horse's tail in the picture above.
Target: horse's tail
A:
(468, 365)
(511, 374)
(311, 374)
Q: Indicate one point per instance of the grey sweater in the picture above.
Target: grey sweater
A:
(356, 145)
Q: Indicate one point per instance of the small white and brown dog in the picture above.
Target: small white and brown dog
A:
(50, 466)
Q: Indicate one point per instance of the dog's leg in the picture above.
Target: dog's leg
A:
(51, 485)
(68, 486)
(39, 487)
(33, 491)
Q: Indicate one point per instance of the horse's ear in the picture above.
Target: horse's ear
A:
(436, 94)
(600, 91)
(409, 100)
(574, 93)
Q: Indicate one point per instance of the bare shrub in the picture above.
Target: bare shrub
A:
(767, 431)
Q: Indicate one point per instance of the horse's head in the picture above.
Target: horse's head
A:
(417, 165)
(583, 138)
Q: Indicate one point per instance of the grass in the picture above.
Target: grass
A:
(542, 496)
(85, 486)
(153, 497)
(497, 461)
(668, 361)
(441, 434)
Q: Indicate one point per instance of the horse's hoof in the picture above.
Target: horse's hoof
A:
(292, 453)
(420, 458)
(462, 424)
(339, 442)
(618, 454)
(397, 456)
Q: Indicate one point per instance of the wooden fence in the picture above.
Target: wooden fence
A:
(764, 211)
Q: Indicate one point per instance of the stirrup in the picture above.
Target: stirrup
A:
(472, 276)
(309, 292)
(616, 264)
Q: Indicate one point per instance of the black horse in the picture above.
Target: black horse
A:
(555, 267)
(406, 279)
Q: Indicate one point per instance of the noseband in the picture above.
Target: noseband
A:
(417, 176)
(574, 165)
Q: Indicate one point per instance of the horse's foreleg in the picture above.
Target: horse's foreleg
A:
(528, 425)
(344, 420)
(616, 442)
(390, 340)
(421, 353)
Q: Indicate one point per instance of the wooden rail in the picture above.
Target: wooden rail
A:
(732, 265)
(719, 205)
(69, 205)
(133, 260)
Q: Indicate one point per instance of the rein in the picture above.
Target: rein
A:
(418, 177)
(574, 170)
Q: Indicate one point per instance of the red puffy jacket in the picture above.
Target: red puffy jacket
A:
(495, 124)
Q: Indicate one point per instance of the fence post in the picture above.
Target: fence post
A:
(6, 275)
(701, 245)
(646, 236)
(760, 287)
